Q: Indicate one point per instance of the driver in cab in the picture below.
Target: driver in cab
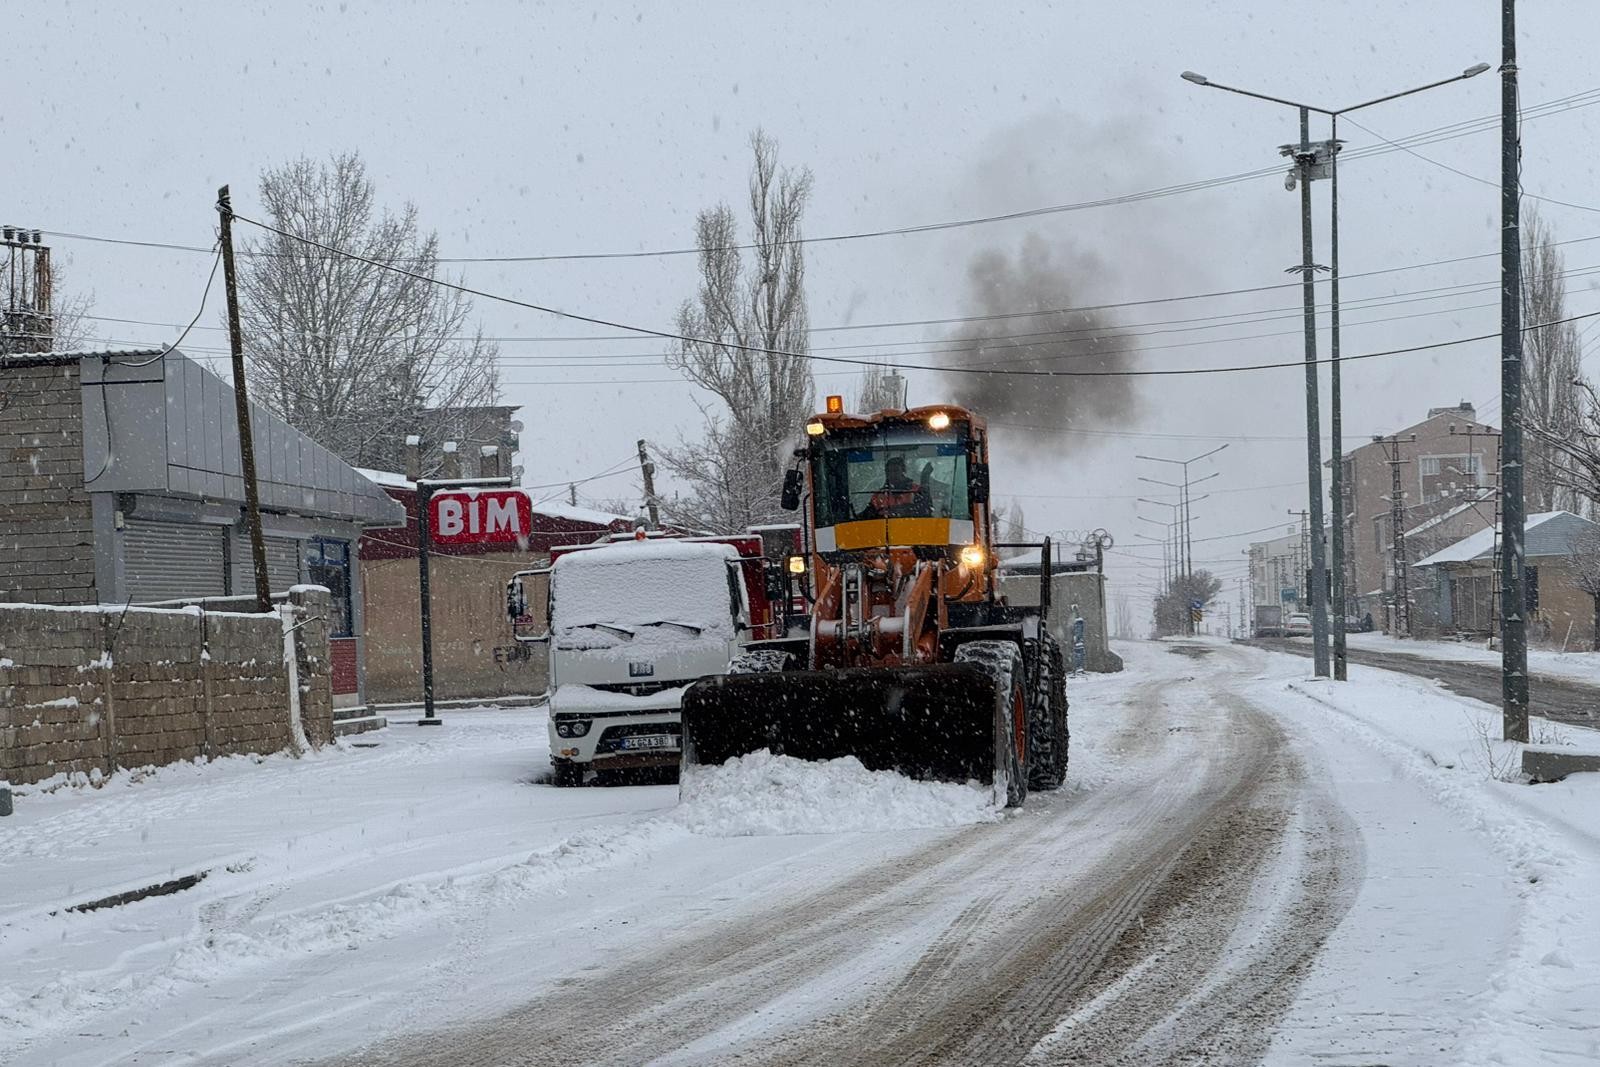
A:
(900, 497)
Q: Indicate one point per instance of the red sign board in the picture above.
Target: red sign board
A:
(481, 517)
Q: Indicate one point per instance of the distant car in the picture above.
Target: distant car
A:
(1297, 625)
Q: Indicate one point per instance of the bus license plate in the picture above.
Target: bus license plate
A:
(650, 741)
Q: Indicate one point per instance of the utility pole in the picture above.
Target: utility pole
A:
(241, 407)
(572, 493)
(1400, 570)
(1513, 563)
(648, 469)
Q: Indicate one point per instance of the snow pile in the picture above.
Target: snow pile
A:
(766, 794)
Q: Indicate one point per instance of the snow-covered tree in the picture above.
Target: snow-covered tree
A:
(347, 352)
(1174, 604)
(749, 326)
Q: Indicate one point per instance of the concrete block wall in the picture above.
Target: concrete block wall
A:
(46, 533)
(93, 690)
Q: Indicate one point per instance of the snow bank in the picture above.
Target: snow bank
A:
(766, 794)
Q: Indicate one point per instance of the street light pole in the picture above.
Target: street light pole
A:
(1336, 427)
(1187, 543)
(1305, 155)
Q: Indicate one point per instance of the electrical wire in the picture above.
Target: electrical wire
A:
(1585, 98)
(752, 349)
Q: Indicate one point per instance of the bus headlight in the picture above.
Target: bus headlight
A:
(972, 555)
(572, 728)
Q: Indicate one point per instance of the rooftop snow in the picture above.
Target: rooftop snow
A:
(1481, 544)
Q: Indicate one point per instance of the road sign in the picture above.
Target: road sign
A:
(1196, 604)
(479, 517)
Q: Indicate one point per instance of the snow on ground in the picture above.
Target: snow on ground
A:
(342, 887)
(1575, 666)
(766, 794)
(1540, 975)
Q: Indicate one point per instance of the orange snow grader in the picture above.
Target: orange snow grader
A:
(914, 661)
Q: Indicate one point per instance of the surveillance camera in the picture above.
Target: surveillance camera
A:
(1289, 180)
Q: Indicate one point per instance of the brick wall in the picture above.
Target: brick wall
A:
(88, 690)
(45, 524)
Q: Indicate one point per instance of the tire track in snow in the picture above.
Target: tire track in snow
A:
(972, 950)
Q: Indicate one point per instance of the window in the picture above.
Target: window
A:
(328, 563)
(1429, 465)
(852, 472)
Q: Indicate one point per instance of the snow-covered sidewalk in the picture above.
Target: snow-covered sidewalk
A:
(1583, 667)
(1541, 974)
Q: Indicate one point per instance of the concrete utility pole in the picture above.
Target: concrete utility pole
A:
(241, 407)
(1513, 563)
(648, 470)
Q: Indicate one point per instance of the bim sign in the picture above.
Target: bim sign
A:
(489, 516)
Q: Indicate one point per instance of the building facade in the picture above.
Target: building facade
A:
(474, 655)
(1457, 587)
(1442, 462)
(121, 483)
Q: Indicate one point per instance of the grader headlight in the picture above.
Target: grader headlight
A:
(972, 556)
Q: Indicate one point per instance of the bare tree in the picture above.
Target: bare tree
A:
(1122, 618)
(749, 327)
(879, 389)
(1584, 557)
(1551, 366)
(1011, 523)
(348, 352)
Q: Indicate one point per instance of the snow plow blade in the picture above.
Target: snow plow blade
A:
(935, 722)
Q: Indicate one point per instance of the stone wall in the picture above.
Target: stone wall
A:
(93, 690)
(45, 524)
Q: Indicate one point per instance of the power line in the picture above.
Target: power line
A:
(1463, 128)
(959, 345)
(735, 347)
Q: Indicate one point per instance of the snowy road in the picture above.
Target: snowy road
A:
(1239, 872)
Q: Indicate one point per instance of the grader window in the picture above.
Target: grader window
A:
(903, 472)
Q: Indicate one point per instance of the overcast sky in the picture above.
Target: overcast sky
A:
(563, 128)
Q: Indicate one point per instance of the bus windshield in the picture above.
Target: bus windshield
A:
(901, 471)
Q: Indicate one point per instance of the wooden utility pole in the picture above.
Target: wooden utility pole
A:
(648, 469)
(241, 407)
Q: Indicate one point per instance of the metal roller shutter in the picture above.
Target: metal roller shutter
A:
(170, 560)
(283, 563)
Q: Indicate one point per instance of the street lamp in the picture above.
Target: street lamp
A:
(1312, 161)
